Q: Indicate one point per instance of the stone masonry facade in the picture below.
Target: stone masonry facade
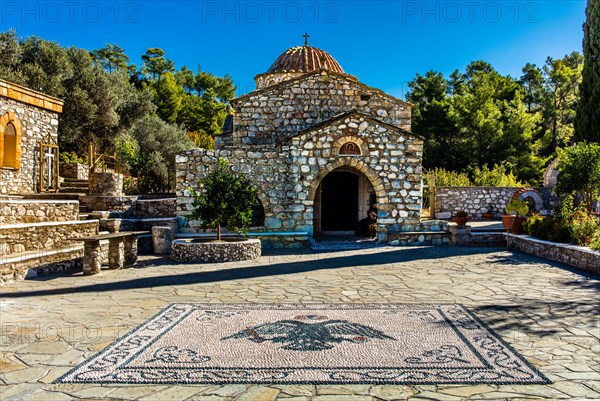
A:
(275, 113)
(287, 176)
(36, 114)
(293, 131)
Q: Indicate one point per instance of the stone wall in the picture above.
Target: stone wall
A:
(18, 238)
(473, 200)
(37, 115)
(76, 171)
(106, 184)
(31, 211)
(277, 112)
(287, 176)
(576, 256)
(208, 251)
(131, 206)
(43, 263)
(429, 232)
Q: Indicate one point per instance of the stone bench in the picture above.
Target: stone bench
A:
(122, 250)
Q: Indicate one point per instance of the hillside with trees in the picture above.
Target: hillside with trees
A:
(480, 118)
(477, 122)
(147, 115)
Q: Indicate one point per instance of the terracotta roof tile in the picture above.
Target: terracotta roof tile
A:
(304, 59)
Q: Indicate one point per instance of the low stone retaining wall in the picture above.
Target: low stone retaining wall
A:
(576, 256)
(117, 225)
(187, 250)
(17, 238)
(34, 211)
(428, 232)
(281, 240)
(131, 206)
(43, 264)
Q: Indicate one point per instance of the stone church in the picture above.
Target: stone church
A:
(321, 147)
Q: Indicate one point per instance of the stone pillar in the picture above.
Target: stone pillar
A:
(162, 238)
(92, 257)
(131, 250)
(461, 235)
(116, 253)
(106, 184)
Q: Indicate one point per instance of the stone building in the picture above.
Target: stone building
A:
(27, 119)
(320, 147)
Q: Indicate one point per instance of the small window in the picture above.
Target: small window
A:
(10, 146)
(10, 141)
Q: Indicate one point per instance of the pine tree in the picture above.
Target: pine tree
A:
(587, 121)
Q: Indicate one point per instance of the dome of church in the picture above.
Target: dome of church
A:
(304, 59)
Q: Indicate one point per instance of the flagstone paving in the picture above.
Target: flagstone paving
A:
(549, 313)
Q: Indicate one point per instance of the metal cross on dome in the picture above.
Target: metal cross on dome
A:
(306, 36)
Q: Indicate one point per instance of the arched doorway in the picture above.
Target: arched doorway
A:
(341, 200)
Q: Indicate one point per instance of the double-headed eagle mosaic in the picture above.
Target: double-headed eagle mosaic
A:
(309, 333)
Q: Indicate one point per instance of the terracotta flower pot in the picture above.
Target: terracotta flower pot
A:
(487, 216)
(507, 220)
(460, 221)
(517, 225)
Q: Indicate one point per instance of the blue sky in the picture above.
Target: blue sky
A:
(383, 43)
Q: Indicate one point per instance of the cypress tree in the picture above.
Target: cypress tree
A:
(587, 120)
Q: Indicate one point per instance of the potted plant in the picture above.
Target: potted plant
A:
(516, 211)
(508, 216)
(488, 215)
(461, 218)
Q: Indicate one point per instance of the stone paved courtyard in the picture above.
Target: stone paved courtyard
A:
(548, 313)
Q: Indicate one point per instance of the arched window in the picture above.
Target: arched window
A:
(258, 214)
(10, 142)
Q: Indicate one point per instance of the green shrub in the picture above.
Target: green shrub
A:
(518, 207)
(445, 178)
(69, 158)
(584, 227)
(560, 231)
(595, 245)
(496, 177)
(226, 199)
(538, 226)
(130, 185)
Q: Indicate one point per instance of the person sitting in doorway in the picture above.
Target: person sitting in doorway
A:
(367, 227)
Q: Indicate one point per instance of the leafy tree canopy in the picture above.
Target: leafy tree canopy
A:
(580, 171)
(587, 121)
(226, 199)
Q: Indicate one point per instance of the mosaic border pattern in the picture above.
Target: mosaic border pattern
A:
(501, 363)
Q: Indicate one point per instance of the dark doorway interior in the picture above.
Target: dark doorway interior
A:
(339, 210)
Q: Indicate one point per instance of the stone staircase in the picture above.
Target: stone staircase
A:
(34, 236)
(74, 186)
(492, 235)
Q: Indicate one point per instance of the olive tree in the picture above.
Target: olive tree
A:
(226, 199)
